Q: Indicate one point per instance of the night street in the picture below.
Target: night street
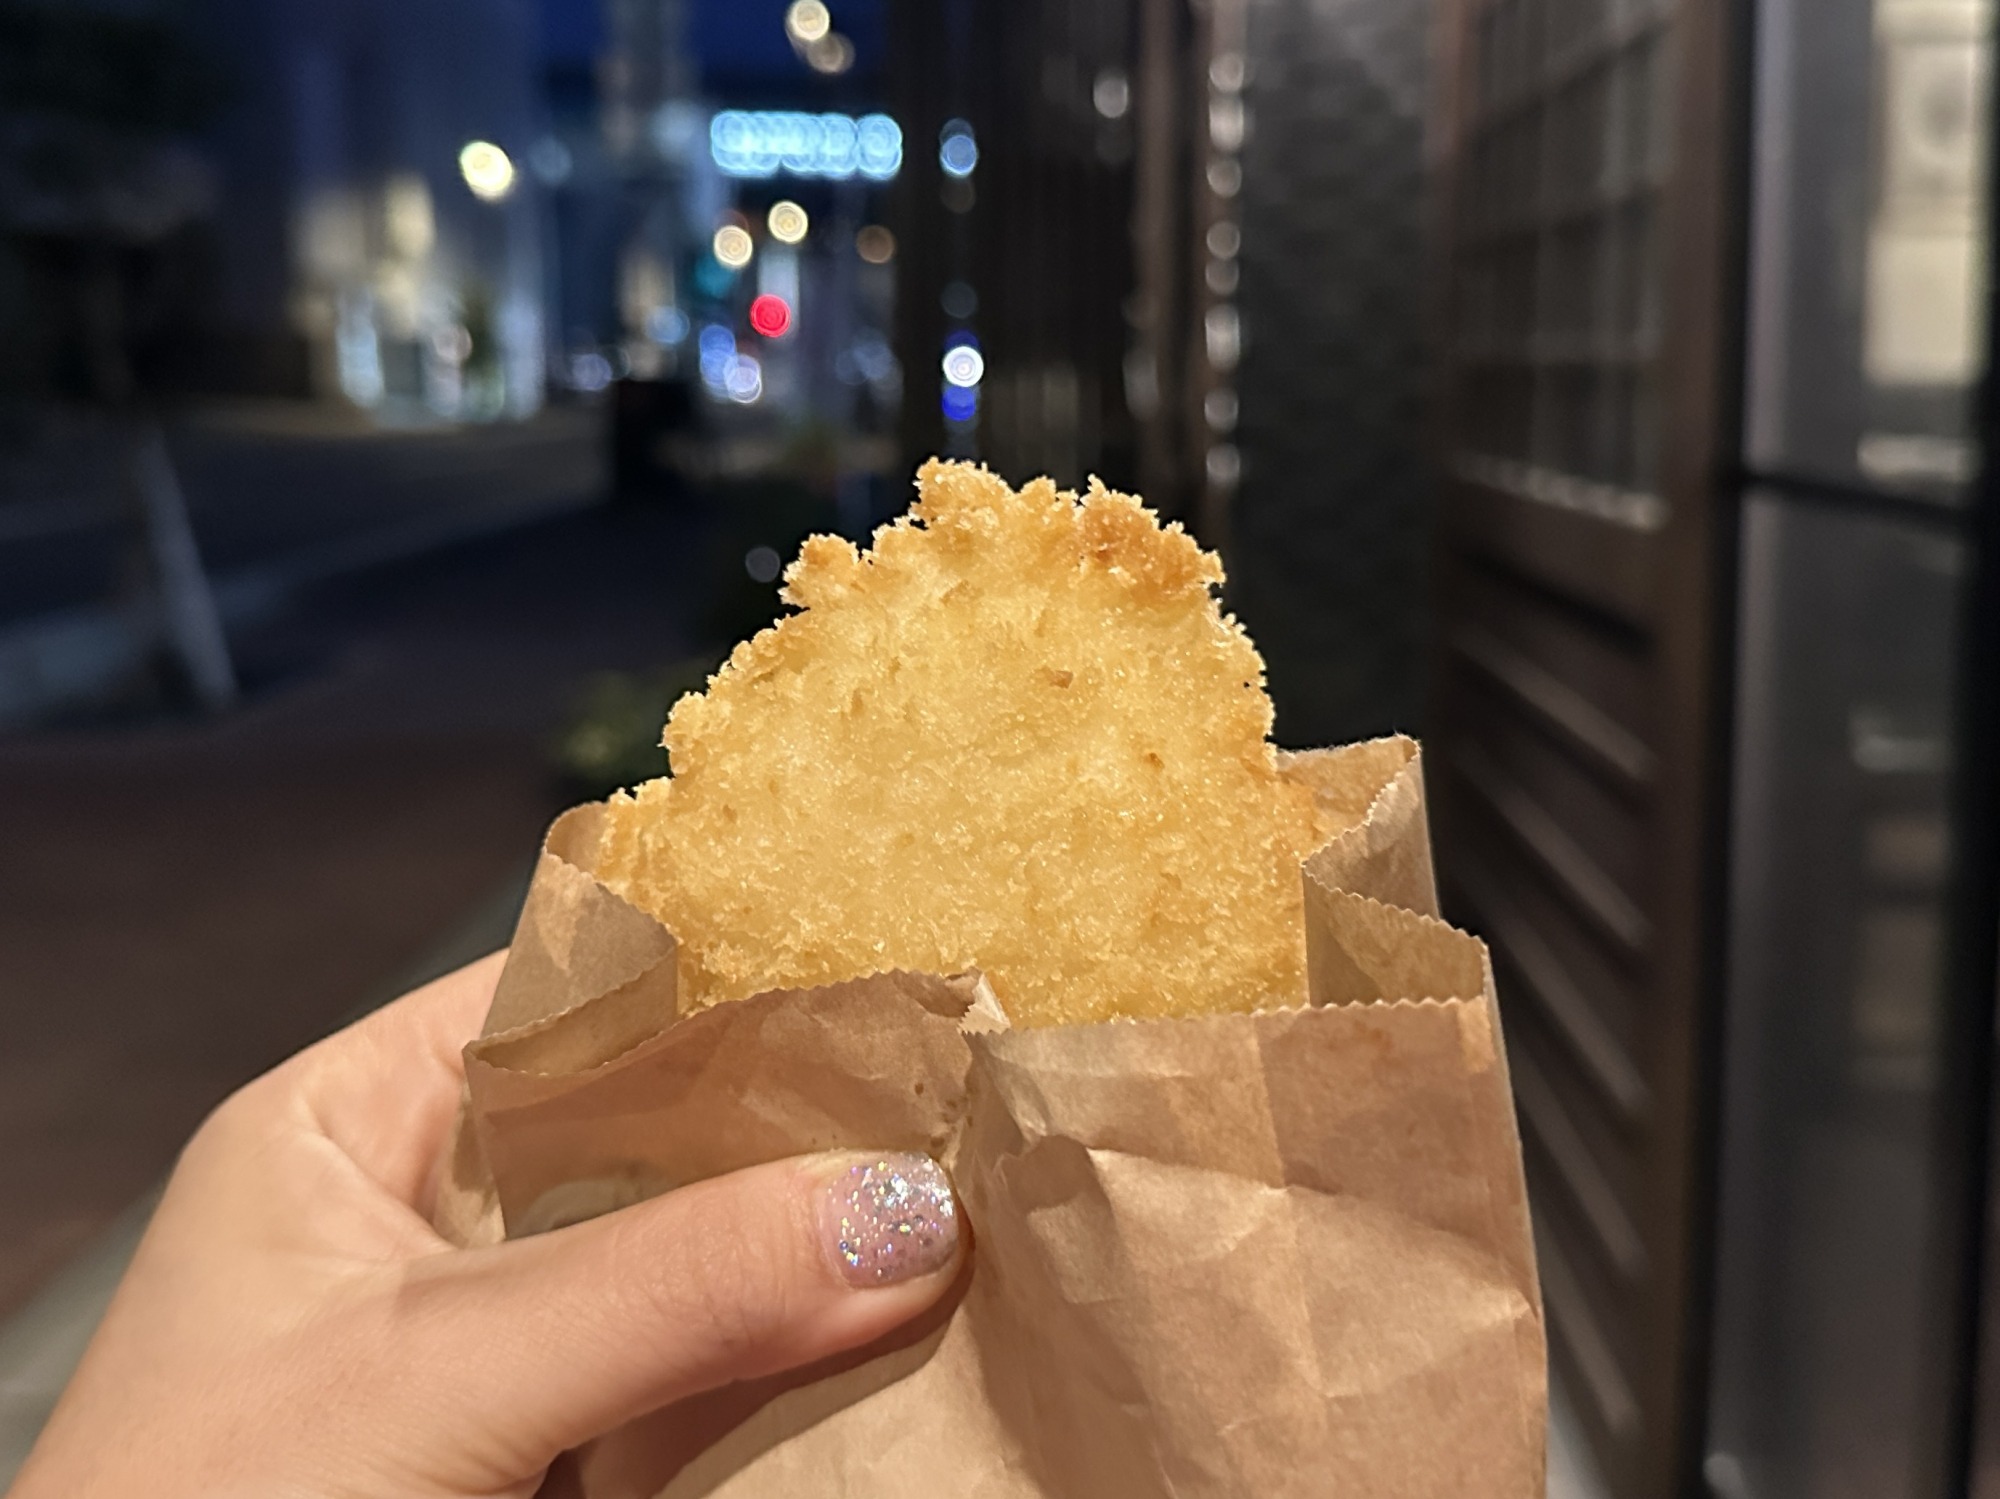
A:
(1585, 408)
(185, 902)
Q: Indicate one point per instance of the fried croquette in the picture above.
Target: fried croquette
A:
(1016, 735)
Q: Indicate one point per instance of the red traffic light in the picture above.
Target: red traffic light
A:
(771, 316)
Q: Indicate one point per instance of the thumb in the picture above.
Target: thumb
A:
(555, 1339)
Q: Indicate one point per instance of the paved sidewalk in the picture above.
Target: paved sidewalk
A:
(265, 481)
(280, 497)
(183, 902)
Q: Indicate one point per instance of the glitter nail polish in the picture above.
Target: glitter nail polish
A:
(889, 1218)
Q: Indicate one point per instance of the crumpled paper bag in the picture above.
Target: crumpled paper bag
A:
(1267, 1254)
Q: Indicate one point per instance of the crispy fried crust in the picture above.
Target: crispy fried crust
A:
(1018, 735)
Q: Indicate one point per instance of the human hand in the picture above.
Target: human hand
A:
(292, 1327)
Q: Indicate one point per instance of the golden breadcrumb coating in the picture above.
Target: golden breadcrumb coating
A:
(1017, 735)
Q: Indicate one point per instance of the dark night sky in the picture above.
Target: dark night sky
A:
(737, 42)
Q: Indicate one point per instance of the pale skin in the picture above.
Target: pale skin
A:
(293, 1328)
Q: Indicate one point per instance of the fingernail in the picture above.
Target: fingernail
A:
(890, 1218)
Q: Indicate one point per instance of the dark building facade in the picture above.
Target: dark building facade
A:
(352, 256)
(1191, 256)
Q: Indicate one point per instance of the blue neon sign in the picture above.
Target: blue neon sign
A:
(765, 143)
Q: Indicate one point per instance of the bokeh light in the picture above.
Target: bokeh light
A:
(718, 352)
(1111, 94)
(960, 403)
(787, 222)
(807, 21)
(771, 316)
(711, 277)
(667, 325)
(550, 160)
(744, 379)
(832, 55)
(958, 152)
(590, 372)
(958, 300)
(487, 170)
(733, 246)
(763, 143)
(964, 366)
(875, 244)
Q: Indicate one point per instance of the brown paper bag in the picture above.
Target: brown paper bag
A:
(1271, 1254)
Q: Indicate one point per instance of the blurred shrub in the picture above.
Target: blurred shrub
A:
(772, 514)
(749, 530)
(811, 455)
(613, 741)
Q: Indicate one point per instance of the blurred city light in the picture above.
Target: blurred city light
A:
(550, 160)
(875, 244)
(744, 379)
(1222, 333)
(762, 564)
(676, 129)
(1220, 407)
(1111, 94)
(778, 275)
(711, 277)
(733, 246)
(487, 170)
(832, 55)
(590, 372)
(807, 21)
(787, 222)
(1227, 123)
(958, 300)
(452, 343)
(407, 221)
(358, 352)
(764, 143)
(771, 316)
(958, 152)
(333, 236)
(867, 360)
(667, 325)
(718, 350)
(960, 403)
(1225, 177)
(1224, 239)
(964, 366)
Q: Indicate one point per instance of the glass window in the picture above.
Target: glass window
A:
(1868, 266)
(1834, 1002)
